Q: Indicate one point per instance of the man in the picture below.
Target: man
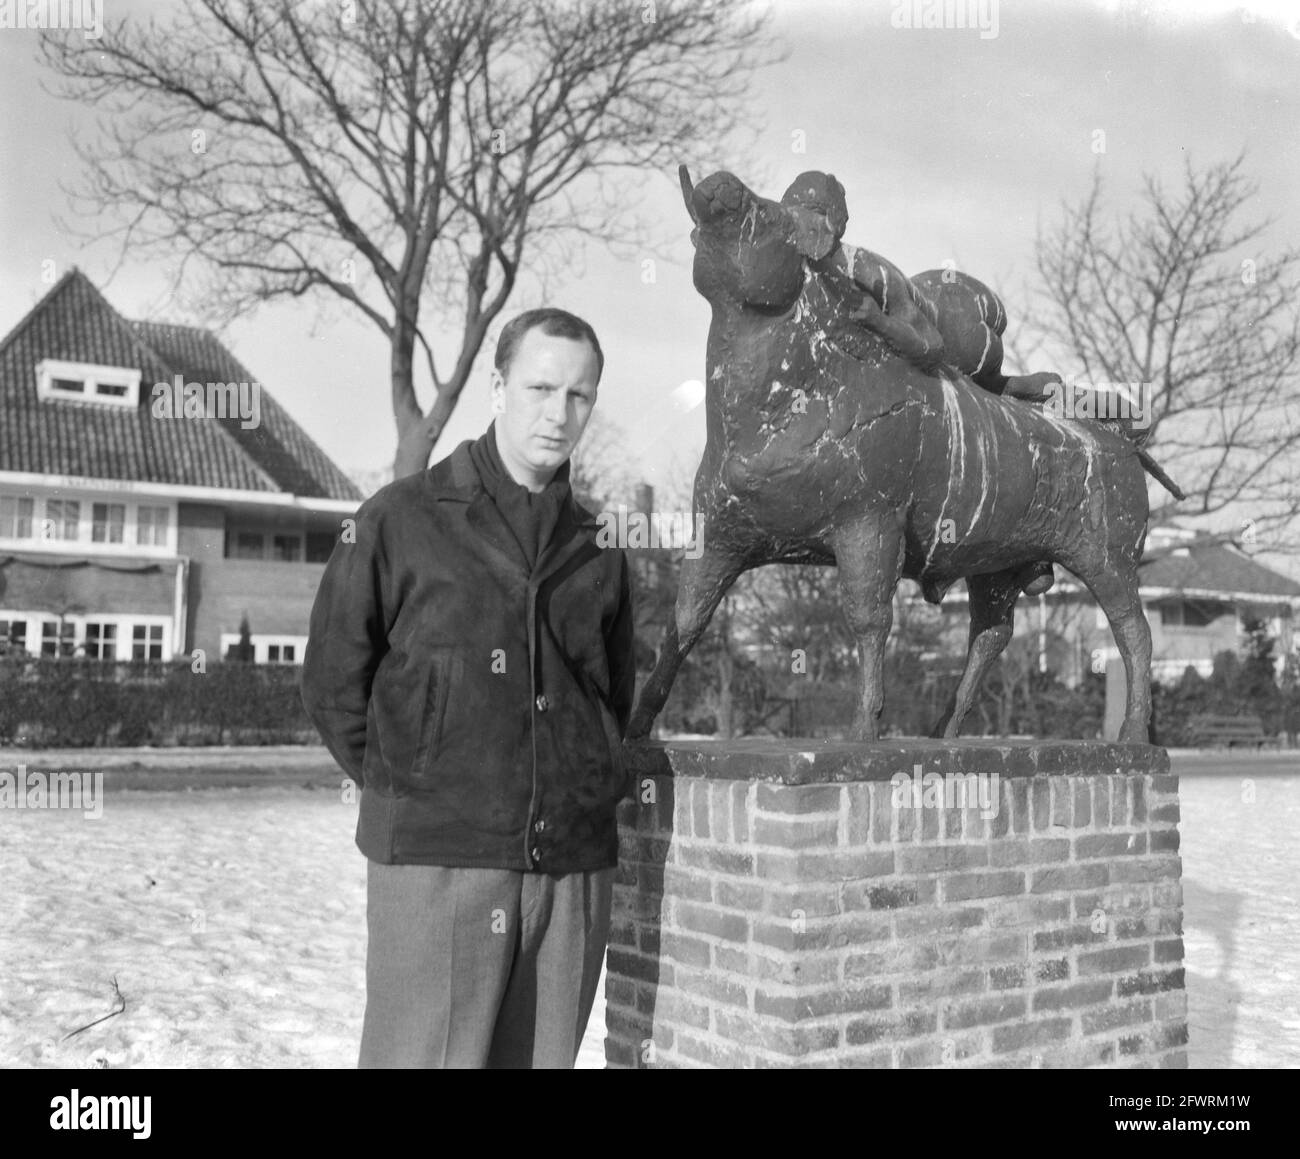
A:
(470, 665)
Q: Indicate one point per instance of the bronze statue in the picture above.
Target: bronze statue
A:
(859, 418)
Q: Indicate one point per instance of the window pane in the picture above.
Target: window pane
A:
(146, 641)
(287, 548)
(101, 641)
(69, 385)
(108, 522)
(13, 635)
(63, 517)
(111, 389)
(151, 526)
(286, 654)
(54, 643)
(16, 517)
(249, 545)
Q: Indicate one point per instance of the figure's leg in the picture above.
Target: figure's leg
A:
(1116, 590)
(703, 583)
(869, 554)
(1030, 387)
(992, 620)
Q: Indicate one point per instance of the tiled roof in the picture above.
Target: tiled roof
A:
(76, 323)
(1218, 567)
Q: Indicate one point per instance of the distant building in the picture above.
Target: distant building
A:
(1197, 590)
(138, 523)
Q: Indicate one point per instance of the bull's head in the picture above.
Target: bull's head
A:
(750, 250)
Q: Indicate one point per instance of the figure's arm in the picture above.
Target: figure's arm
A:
(346, 640)
(890, 310)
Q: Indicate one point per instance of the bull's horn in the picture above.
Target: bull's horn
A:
(688, 190)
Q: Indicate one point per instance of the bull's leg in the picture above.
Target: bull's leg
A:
(1116, 590)
(869, 554)
(992, 620)
(700, 588)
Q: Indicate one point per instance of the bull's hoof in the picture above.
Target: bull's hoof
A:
(865, 732)
(1134, 733)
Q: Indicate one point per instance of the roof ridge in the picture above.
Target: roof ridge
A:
(73, 273)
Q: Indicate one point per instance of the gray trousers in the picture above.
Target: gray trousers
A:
(480, 967)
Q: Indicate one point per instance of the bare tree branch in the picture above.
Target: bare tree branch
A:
(393, 153)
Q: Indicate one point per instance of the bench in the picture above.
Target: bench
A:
(1227, 731)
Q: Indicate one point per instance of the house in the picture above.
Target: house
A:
(152, 493)
(1197, 590)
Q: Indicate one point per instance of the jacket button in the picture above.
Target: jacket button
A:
(540, 826)
(542, 703)
(537, 854)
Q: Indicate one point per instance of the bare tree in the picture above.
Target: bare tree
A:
(1181, 295)
(382, 150)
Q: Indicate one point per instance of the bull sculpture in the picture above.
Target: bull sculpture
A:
(830, 441)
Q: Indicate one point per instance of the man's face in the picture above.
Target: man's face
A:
(543, 403)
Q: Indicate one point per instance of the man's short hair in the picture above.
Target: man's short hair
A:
(549, 320)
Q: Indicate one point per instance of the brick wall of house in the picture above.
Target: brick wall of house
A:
(277, 597)
(784, 905)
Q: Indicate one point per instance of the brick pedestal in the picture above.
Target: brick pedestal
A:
(799, 903)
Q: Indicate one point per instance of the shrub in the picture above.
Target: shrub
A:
(73, 703)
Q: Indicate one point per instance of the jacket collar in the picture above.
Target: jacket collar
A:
(455, 479)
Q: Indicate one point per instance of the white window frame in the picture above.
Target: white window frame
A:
(164, 641)
(108, 627)
(33, 520)
(92, 376)
(84, 544)
(169, 511)
(18, 618)
(262, 643)
(123, 624)
(108, 504)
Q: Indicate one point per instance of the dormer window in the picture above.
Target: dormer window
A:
(87, 382)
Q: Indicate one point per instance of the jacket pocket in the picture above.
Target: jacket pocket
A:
(609, 728)
(443, 663)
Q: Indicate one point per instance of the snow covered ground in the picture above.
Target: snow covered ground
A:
(233, 917)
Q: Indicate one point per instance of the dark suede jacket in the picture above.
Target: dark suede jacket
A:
(479, 703)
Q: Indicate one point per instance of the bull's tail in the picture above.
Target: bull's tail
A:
(1152, 468)
(1158, 474)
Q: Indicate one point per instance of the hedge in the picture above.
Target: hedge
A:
(47, 703)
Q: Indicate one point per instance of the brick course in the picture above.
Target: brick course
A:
(764, 917)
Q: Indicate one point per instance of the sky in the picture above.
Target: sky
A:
(952, 145)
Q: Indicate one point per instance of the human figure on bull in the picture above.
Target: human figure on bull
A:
(938, 317)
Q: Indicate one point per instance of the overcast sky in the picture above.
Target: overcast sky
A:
(951, 146)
